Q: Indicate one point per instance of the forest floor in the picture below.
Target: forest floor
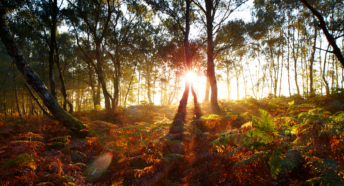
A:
(277, 141)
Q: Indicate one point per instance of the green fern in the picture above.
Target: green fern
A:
(328, 172)
(265, 130)
(275, 165)
(60, 138)
(169, 157)
(225, 138)
(24, 158)
(291, 160)
(281, 164)
(58, 142)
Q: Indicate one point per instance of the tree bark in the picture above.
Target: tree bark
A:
(207, 88)
(16, 95)
(210, 55)
(52, 44)
(76, 126)
(295, 62)
(323, 75)
(311, 91)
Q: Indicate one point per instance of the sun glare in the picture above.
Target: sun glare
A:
(191, 76)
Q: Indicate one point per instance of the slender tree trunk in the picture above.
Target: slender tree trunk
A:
(323, 75)
(295, 62)
(138, 88)
(237, 82)
(91, 78)
(228, 83)
(117, 64)
(125, 100)
(63, 86)
(207, 88)
(76, 126)
(97, 100)
(288, 67)
(23, 104)
(5, 100)
(53, 12)
(311, 62)
(16, 95)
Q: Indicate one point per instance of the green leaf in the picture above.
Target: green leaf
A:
(291, 103)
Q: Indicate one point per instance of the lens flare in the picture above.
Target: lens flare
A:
(100, 165)
(191, 76)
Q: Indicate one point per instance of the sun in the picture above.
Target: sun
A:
(191, 76)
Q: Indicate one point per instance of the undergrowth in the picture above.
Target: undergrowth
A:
(277, 141)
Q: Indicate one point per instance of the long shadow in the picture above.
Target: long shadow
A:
(176, 140)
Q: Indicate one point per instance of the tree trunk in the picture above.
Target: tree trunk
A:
(126, 95)
(323, 75)
(207, 88)
(93, 89)
(101, 77)
(138, 88)
(288, 62)
(179, 119)
(295, 62)
(311, 91)
(63, 86)
(210, 55)
(23, 104)
(76, 126)
(148, 78)
(237, 81)
(16, 95)
(52, 44)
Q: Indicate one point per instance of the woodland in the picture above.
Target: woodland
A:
(171, 92)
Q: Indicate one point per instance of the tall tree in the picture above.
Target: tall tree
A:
(211, 10)
(98, 27)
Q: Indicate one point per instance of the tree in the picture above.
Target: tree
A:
(76, 126)
(210, 10)
(328, 36)
(98, 27)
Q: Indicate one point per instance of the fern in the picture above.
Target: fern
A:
(275, 166)
(236, 150)
(169, 157)
(251, 159)
(29, 136)
(224, 139)
(61, 139)
(265, 130)
(292, 159)
(24, 158)
(328, 169)
(59, 142)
